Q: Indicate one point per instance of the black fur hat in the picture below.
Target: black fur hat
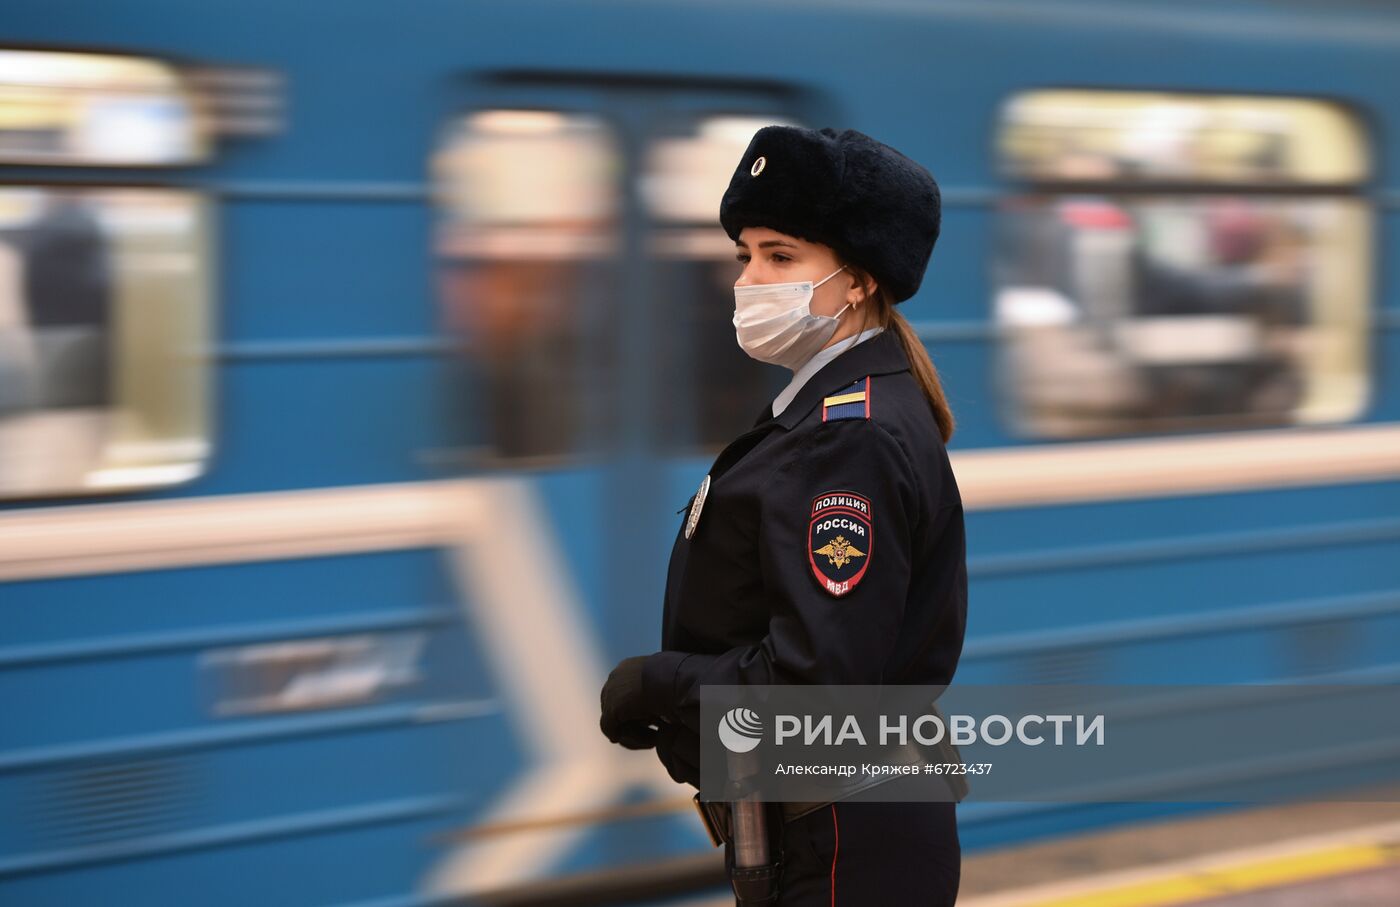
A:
(874, 206)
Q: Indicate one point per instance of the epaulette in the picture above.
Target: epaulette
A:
(849, 403)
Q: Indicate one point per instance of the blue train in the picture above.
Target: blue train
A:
(355, 360)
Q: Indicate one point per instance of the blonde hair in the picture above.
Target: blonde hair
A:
(920, 364)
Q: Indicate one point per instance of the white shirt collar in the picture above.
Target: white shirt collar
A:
(814, 365)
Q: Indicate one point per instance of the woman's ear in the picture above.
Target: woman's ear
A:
(862, 287)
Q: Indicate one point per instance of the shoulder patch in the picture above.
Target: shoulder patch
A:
(839, 540)
(849, 403)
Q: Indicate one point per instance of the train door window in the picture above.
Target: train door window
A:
(712, 389)
(83, 109)
(1180, 262)
(526, 239)
(104, 292)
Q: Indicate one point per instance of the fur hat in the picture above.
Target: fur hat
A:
(877, 208)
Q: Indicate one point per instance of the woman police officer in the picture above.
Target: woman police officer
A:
(833, 230)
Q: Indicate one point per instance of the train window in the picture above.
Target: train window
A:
(86, 109)
(1175, 262)
(104, 312)
(526, 238)
(712, 389)
(1129, 136)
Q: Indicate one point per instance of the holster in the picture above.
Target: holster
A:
(757, 885)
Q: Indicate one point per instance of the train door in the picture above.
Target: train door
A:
(586, 280)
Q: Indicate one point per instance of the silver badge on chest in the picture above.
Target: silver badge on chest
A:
(696, 506)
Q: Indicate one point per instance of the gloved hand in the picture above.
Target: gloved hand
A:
(626, 719)
(678, 748)
(634, 735)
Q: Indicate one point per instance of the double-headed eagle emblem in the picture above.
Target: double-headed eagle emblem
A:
(839, 551)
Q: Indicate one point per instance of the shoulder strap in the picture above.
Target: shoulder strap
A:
(849, 403)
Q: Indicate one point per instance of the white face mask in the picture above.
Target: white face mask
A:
(774, 321)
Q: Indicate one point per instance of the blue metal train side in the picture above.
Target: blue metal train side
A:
(331, 372)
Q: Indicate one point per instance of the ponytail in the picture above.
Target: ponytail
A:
(924, 372)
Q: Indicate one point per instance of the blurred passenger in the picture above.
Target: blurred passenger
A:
(68, 288)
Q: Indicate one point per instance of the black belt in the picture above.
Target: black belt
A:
(714, 814)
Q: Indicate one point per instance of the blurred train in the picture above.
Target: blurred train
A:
(356, 358)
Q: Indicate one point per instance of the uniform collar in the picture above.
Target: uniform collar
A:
(882, 354)
(814, 364)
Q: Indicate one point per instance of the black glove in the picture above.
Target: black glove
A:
(634, 735)
(626, 718)
(678, 748)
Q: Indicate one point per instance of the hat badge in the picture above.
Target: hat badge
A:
(759, 163)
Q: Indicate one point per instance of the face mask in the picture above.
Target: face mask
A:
(774, 321)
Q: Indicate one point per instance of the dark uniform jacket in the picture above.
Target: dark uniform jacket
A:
(829, 550)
